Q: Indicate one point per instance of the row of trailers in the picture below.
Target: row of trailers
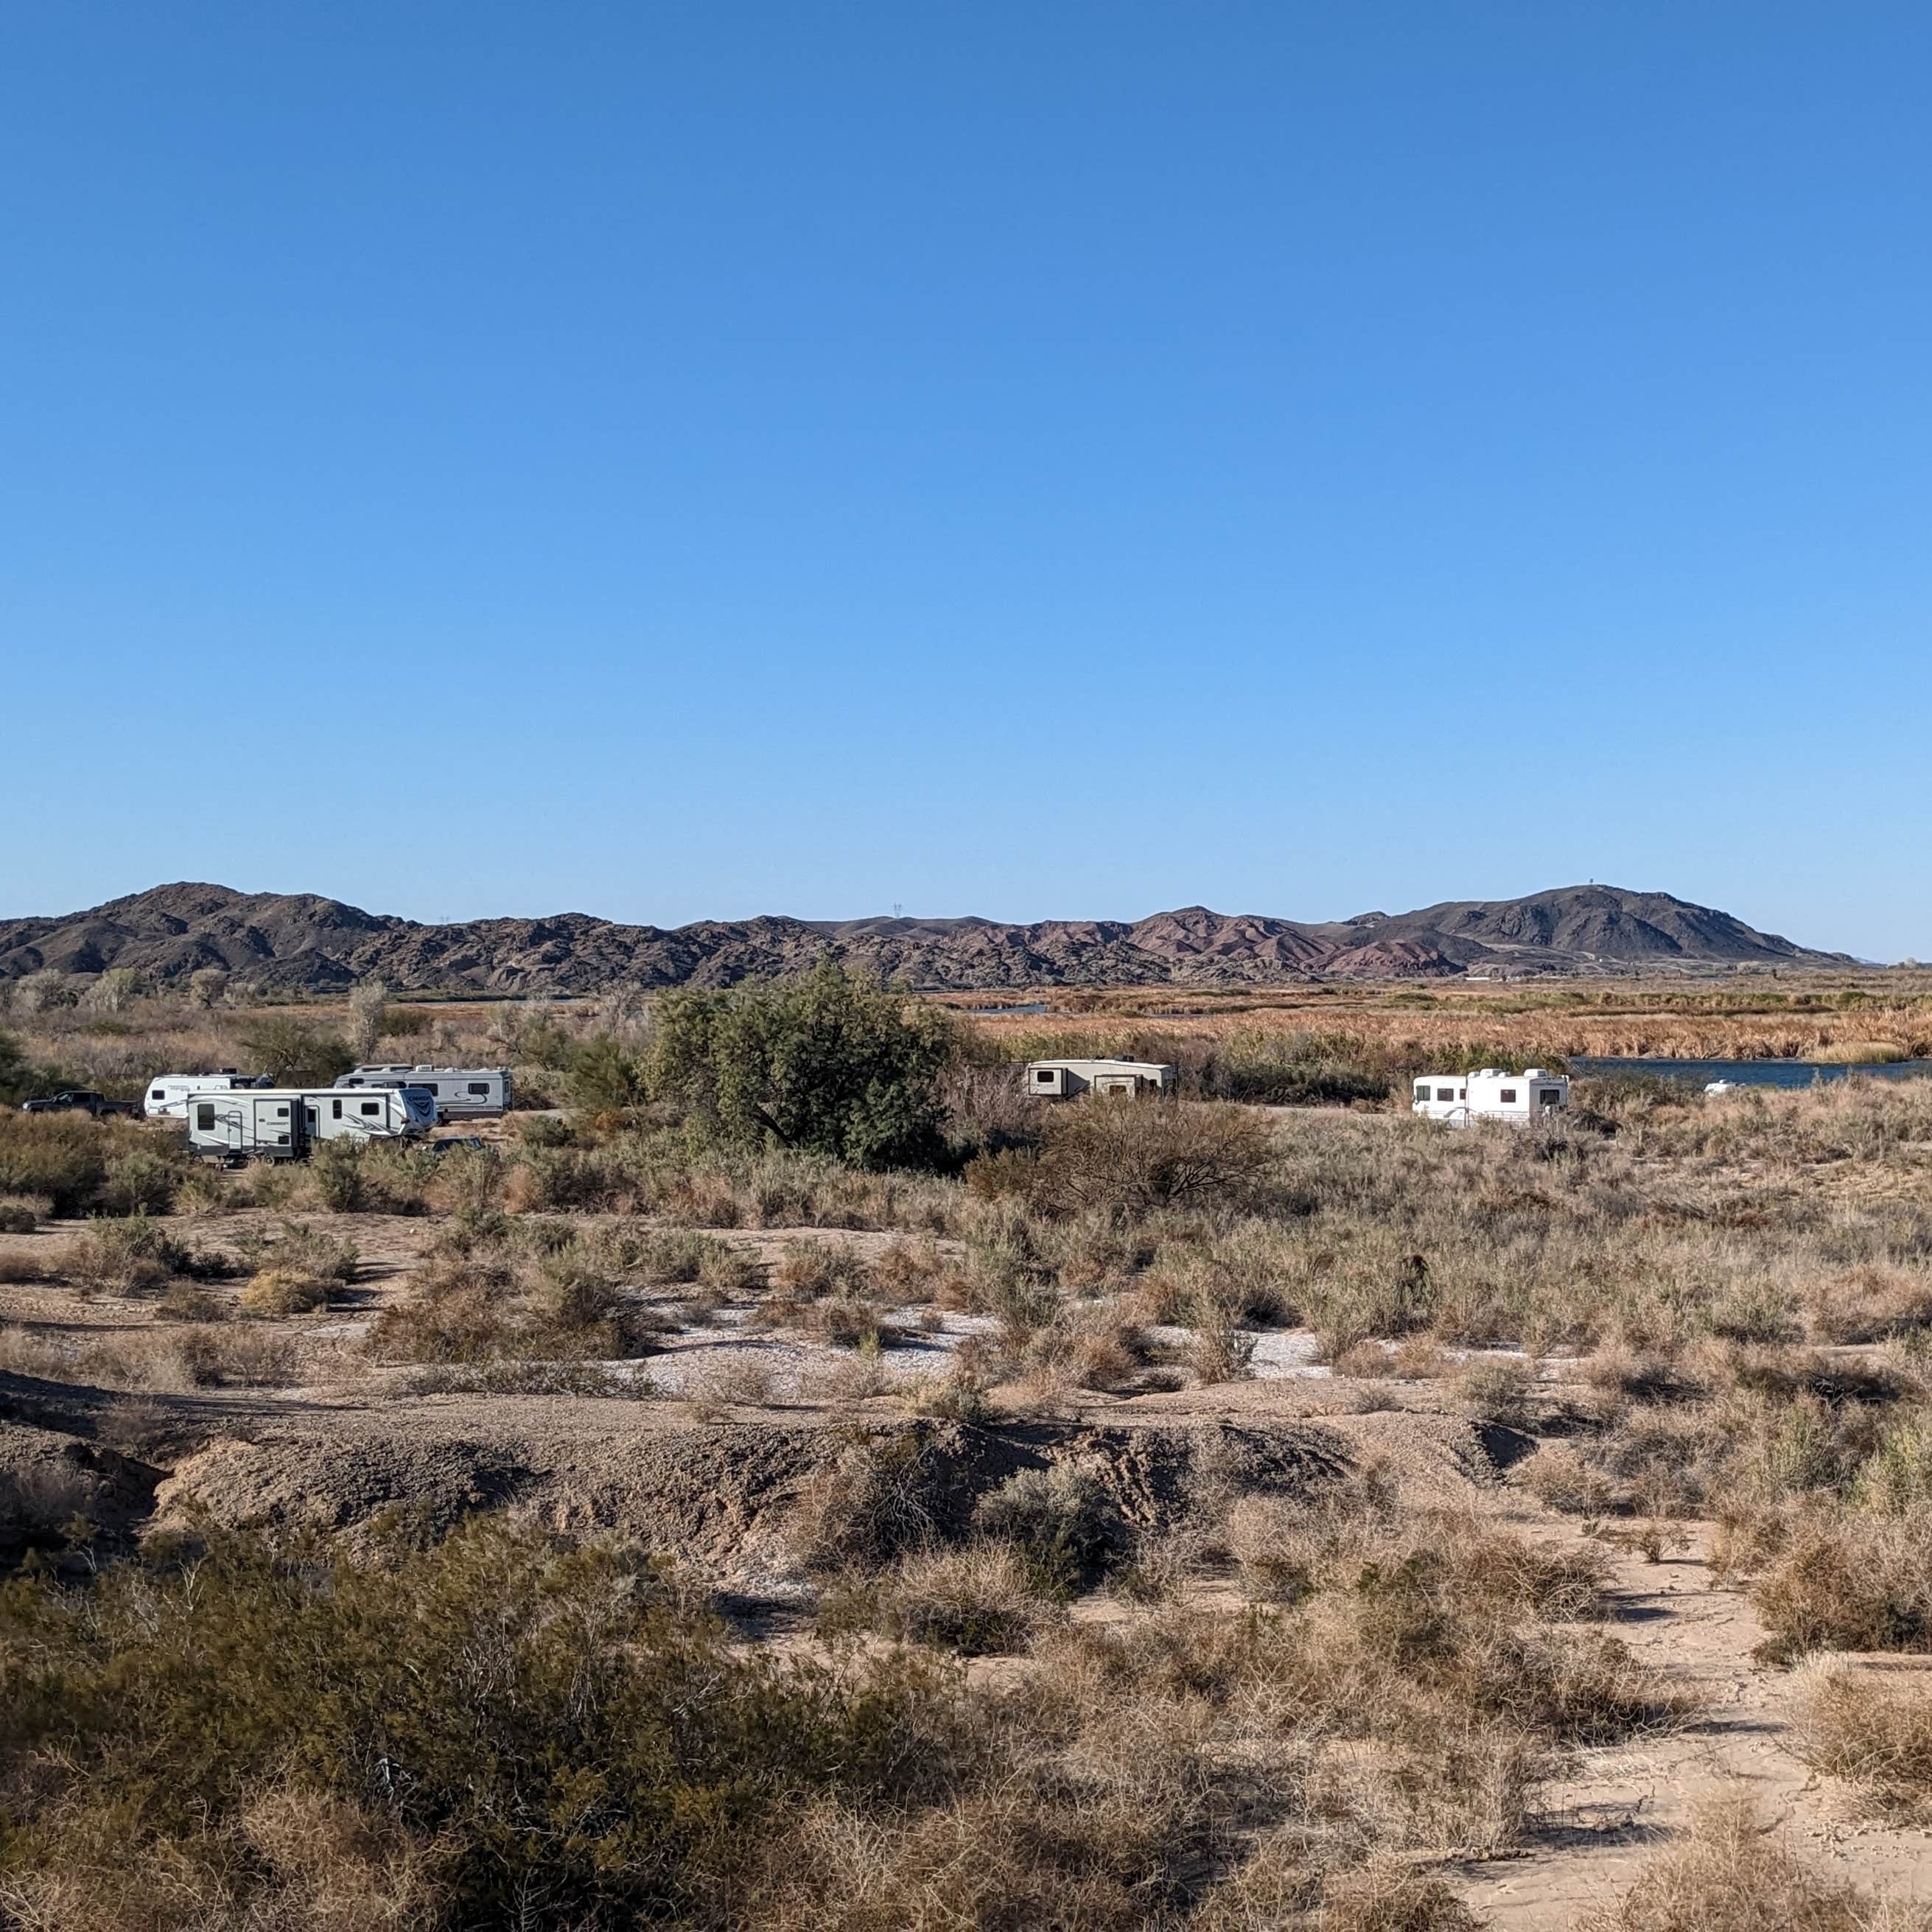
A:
(230, 1119)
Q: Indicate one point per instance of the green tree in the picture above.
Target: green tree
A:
(833, 1063)
(293, 1053)
(16, 1071)
(605, 1076)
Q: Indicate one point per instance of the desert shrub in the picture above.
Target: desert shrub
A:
(491, 1300)
(1060, 1523)
(140, 1181)
(468, 1182)
(21, 1213)
(515, 1378)
(134, 1255)
(605, 1076)
(1134, 1160)
(1839, 1579)
(809, 1269)
(1733, 1875)
(1297, 1069)
(19, 1077)
(499, 1672)
(959, 1396)
(237, 1358)
(349, 1177)
(336, 1168)
(1896, 1476)
(874, 1504)
(1874, 1729)
(284, 1292)
(979, 1601)
(296, 1248)
(1217, 1351)
(1498, 1390)
(1096, 1346)
(832, 1064)
(62, 1157)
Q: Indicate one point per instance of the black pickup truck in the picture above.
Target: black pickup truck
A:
(78, 1100)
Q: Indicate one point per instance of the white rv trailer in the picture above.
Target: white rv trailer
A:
(460, 1093)
(1462, 1099)
(1063, 1079)
(167, 1094)
(283, 1123)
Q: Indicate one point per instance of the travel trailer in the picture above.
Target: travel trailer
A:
(1063, 1079)
(254, 1123)
(460, 1093)
(166, 1096)
(1461, 1099)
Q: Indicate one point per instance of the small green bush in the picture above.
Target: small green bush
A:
(1061, 1523)
(63, 1157)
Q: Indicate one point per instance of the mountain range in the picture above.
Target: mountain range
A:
(273, 942)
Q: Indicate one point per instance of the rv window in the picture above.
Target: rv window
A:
(335, 1110)
(1507, 1097)
(1550, 1096)
(432, 1086)
(159, 1093)
(480, 1087)
(1422, 1089)
(372, 1106)
(204, 1117)
(281, 1113)
(1044, 1074)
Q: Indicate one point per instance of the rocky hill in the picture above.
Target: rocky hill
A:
(291, 942)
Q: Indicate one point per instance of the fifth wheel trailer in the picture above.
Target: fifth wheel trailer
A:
(460, 1093)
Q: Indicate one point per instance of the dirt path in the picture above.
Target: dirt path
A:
(1618, 1805)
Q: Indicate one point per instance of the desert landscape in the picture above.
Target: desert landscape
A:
(779, 1474)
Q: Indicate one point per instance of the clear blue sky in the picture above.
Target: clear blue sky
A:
(674, 461)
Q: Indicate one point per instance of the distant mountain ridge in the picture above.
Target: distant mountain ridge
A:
(298, 942)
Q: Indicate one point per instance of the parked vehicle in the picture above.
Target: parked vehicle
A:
(1065, 1079)
(167, 1094)
(1461, 1099)
(77, 1100)
(460, 1093)
(233, 1124)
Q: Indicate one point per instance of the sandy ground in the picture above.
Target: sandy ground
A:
(1616, 1806)
(350, 1441)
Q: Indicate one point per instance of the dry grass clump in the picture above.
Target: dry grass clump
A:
(21, 1213)
(1733, 1875)
(1498, 1390)
(1874, 1727)
(1060, 1524)
(1134, 1160)
(516, 1377)
(493, 1298)
(876, 1502)
(1093, 1346)
(982, 1600)
(135, 1256)
(170, 1360)
(736, 1377)
(1835, 1578)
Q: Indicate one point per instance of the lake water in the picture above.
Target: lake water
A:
(990, 1012)
(1745, 1072)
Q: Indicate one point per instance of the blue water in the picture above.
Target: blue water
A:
(988, 1012)
(1745, 1072)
